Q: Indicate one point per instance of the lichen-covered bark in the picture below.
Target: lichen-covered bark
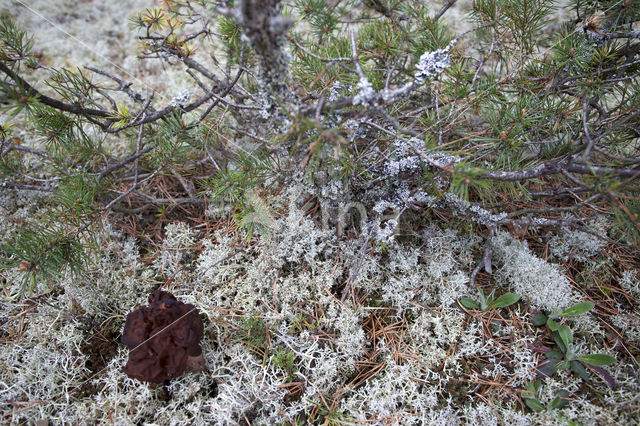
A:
(265, 28)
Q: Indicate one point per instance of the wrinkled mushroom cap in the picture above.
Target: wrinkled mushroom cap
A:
(164, 339)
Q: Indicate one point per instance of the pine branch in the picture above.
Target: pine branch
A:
(59, 105)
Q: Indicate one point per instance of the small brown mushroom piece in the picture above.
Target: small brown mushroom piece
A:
(164, 339)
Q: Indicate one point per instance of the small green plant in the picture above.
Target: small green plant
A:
(486, 302)
(284, 358)
(328, 413)
(235, 186)
(228, 185)
(533, 393)
(254, 216)
(303, 322)
(543, 318)
(568, 355)
(254, 334)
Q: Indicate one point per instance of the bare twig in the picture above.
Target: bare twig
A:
(223, 94)
(135, 178)
(124, 162)
(486, 258)
(11, 185)
(555, 167)
(444, 9)
(355, 270)
(123, 86)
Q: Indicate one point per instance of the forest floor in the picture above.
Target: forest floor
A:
(281, 343)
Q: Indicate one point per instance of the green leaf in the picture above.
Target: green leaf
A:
(505, 300)
(555, 314)
(578, 309)
(566, 335)
(568, 422)
(548, 368)
(560, 400)
(597, 359)
(554, 355)
(553, 326)
(540, 319)
(469, 303)
(579, 369)
(556, 338)
(484, 299)
(533, 388)
(534, 405)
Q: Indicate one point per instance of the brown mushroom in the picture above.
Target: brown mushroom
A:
(164, 339)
